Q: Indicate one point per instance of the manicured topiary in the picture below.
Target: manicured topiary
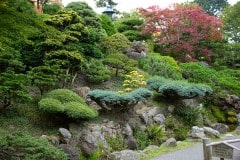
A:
(51, 105)
(67, 102)
(113, 100)
(178, 88)
(21, 146)
(78, 110)
(64, 96)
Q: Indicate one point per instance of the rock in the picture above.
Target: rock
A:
(82, 91)
(222, 128)
(90, 141)
(75, 130)
(193, 102)
(52, 139)
(159, 118)
(136, 55)
(131, 142)
(144, 117)
(72, 153)
(65, 135)
(171, 142)
(211, 132)
(149, 148)
(237, 130)
(125, 155)
(153, 112)
(171, 108)
(127, 130)
(196, 132)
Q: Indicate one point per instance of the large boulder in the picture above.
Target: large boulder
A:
(159, 118)
(171, 142)
(125, 155)
(72, 152)
(220, 127)
(196, 132)
(211, 132)
(82, 91)
(65, 135)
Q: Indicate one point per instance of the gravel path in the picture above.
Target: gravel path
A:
(195, 153)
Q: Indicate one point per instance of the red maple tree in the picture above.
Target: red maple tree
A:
(183, 30)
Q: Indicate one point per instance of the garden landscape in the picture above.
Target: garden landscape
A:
(79, 85)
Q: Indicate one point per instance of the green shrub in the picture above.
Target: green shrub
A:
(156, 134)
(133, 80)
(219, 80)
(119, 101)
(115, 43)
(117, 143)
(218, 114)
(142, 139)
(64, 96)
(108, 25)
(164, 66)
(189, 115)
(25, 147)
(51, 105)
(78, 110)
(67, 102)
(97, 72)
(178, 88)
(180, 133)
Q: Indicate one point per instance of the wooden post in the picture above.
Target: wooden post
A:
(207, 152)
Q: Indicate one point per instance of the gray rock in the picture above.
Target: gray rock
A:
(153, 112)
(65, 135)
(125, 155)
(144, 117)
(196, 132)
(131, 142)
(72, 153)
(91, 140)
(171, 142)
(222, 128)
(193, 102)
(211, 132)
(149, 148)
(52, 139)
(159, 118)
(171, 108)
(127, 130)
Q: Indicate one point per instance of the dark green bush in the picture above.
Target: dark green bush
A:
(64, 96)
(119, 101)
(97, 72)
(78, 110)
(156, 134)
(178, 88)
(108, 25)
(25, 147)
(164, 66)
(219, 80)
(218, 114)
(117, 143)
(142, 139)
(51, 105)
(189, 115)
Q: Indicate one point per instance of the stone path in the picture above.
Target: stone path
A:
(195, 153)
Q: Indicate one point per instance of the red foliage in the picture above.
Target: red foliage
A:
(181, 29)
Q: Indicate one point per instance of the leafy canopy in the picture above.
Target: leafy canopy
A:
(181, 29)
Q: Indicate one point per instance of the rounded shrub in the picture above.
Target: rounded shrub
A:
(64, 96)
(25, 147)
(51, 105)
(78, 110)
(164, 66)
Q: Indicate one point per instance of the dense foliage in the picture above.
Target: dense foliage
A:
(164, 66)
(182, 30)
(67, 102)
(219, 80)
(113, 100)
(213, 7)
(25, 147)
(178, 88)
